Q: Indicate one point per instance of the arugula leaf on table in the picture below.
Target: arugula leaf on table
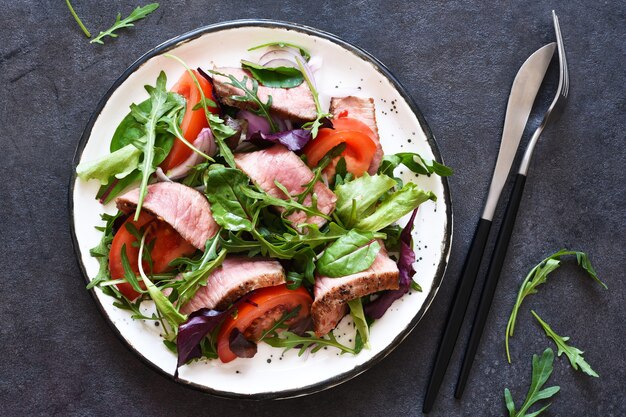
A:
(360, 322)
(250, 95)
(539, 275)
(137, 14)
(352, 253)
(321, 114)
(77, 19)
(415, 162)
(401, 202)
(305, 54)
(289, 340)
(276, 77)
(574, 355)
(542, 369)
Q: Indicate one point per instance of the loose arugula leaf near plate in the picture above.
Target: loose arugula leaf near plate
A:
(542, 369)
(249, 227)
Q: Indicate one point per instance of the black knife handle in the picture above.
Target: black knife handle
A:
(457, 311)
(489, 288)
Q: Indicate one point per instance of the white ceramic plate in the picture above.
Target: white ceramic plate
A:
(346, 70)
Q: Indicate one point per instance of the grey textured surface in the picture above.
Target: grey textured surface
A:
(457, 59)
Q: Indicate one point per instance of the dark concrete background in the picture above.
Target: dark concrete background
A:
(458, 60)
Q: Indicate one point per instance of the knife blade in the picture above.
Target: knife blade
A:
(523, 92)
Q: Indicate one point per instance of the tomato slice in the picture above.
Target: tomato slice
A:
(360, 146)
(193, 121)
(168, 245)
(258, 311)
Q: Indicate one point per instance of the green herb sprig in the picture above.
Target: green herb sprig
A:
(574, 355)
(542, 369)
(539, 275)
(77, 19)
(289, 340)
(137, 14)
(218, 127)
(250, 95)
(321, 114)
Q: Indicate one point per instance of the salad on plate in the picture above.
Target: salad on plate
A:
(249, 213)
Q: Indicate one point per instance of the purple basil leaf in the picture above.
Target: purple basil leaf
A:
(294, 140)
(379, 306)
(241, 346)
(190, 333)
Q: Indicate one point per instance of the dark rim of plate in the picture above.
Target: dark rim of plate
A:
(380, 67)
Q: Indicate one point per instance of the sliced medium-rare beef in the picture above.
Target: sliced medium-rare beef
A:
(184, 208)
(236, 277)
(362, 109)
(292, 103)
(332, 294)
(278, 163)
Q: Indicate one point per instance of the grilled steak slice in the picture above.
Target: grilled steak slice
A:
(291, 103)
(278, 163)
(184, 208)
(362, 109)
(236, 277)
(332, 294)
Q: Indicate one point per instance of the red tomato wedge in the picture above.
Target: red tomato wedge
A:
(360, 145)
(168, 245)
(193, 121)
(259, 311)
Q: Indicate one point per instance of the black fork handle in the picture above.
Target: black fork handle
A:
(457, 311)
(491, 282)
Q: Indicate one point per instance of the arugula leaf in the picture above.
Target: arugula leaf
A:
(118, 165)
(574, 355)
(250, 95)
(161, 102)
(137, 14)
(352, 253)
(229, 206)
(537, 276)
(360, 322)
(277, 77)
(163, 305)
(403, 201)
(289, 340)
(77, 19)
(542, 369)
(356, 197)
(197, 275)
(317, 123)
(101, 251)
(221, 131)
(415, 162)
(305, 54)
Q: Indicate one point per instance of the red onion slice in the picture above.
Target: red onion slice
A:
(307, 69)
(205, 143)
(275, 63)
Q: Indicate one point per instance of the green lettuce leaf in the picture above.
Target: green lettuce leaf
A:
(352, 253)
(117, 164)
(356, 197)
(400, 203)
(279, 77)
